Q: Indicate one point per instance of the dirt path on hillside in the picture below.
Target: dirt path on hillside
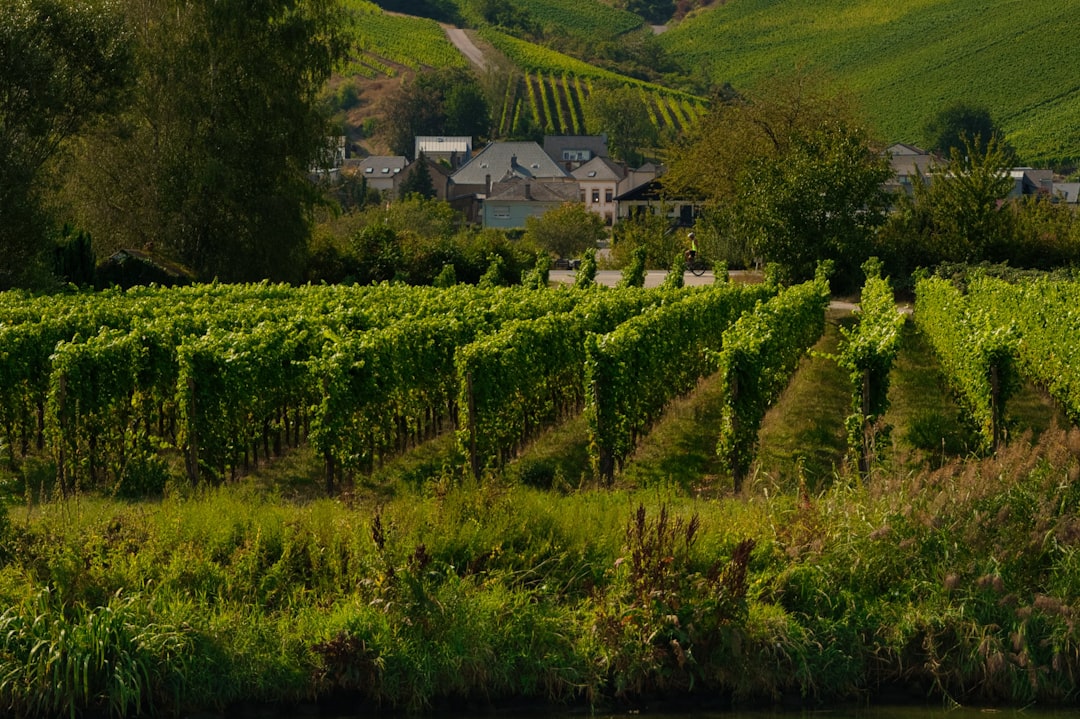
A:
(465, 44)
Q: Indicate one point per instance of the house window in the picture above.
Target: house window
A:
(608, 194)
(583, 195)
(596, 195)
(500, 212)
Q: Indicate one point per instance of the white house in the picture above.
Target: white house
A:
(598, 180)
(455, 151)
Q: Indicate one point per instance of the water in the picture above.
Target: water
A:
(873, 712)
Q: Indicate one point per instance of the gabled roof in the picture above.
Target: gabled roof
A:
(1070, 191)
(643, 175)
(519, 189)
(379, 165)
(500, 160)
(599, 169)
(593, 145)
(650, 190)
(898, 149)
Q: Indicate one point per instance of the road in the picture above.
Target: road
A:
(653, 278)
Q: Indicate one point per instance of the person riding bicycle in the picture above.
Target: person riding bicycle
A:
(691, 253)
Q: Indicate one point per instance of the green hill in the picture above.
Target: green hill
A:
(905, 61)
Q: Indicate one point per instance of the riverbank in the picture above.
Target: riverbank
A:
(959, 583)
(942, 576)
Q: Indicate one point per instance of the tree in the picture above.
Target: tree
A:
(446, 101)
(620, 113)
(63, 65)
(565, 231)
(959, 125)
(710, 159)
(224, 127)
(466, 111)
(955, 216)
(418, 181)
(785, 172)
(821, 199)
(655, 11)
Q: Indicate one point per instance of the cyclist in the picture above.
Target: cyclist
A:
(691, 253)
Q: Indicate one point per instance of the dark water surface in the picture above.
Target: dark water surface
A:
(872, 712)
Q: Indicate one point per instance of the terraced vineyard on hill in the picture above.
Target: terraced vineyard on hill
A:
(907, 61)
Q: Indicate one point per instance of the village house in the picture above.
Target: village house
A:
(573, 151)
(511, 202)
(598, 180)
(452, 151)
(472, 183)
(642, 192)
(378, 170)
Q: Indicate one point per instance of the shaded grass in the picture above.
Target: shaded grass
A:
(681, 449)
(802, 438)
(928, 426)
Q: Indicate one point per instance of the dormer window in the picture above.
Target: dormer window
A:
(369, 170)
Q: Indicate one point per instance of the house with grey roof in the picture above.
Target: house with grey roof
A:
(909, 165)
(512, 201)
(378, 170)
(642, 192)
(572, 151)
(471, 183)
(599, 180)
(440, 176)
(1068, 192)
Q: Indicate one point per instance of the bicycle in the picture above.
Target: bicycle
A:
(695, 266)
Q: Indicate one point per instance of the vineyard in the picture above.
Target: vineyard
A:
(902, 61)
(548, 90)
(123, 390)
(553, 91)
(381, 40)
(166, 606)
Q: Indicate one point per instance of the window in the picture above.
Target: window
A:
(596, 195)
(500, 212)
(608, 195)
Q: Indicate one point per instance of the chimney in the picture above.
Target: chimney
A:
(528, 191)
(487, 183)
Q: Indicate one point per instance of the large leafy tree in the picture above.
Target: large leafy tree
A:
(448, 101)
(61, 66)
(210, 165)
(620, 113)
(740, 128)
(566, 231)
(821, 199)
(959, 125)
(785, 172)
(958, 215)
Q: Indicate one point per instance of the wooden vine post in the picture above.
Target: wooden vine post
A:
(474, 460)
(193, 439)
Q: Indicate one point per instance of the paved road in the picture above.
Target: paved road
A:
(653, 278)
